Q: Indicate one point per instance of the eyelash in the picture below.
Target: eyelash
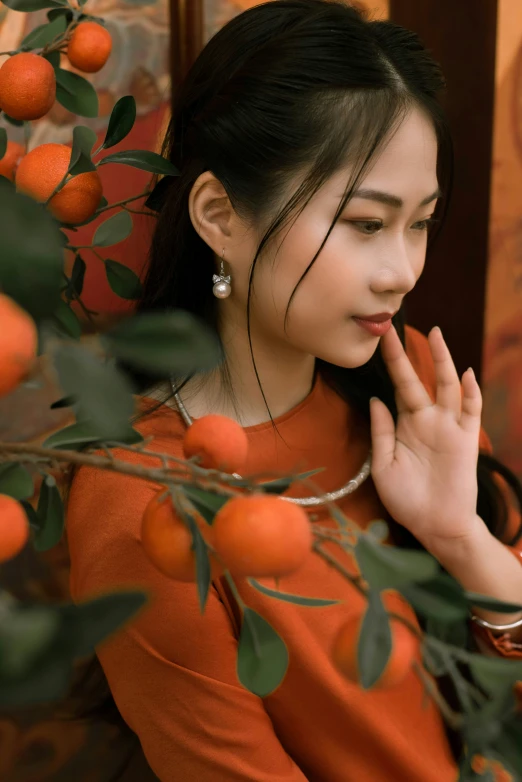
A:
(426, 224)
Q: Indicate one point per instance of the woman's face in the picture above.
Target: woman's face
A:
(371, 260)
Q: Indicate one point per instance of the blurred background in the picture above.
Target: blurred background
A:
(471, 287)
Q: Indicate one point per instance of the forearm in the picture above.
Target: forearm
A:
(482, 564)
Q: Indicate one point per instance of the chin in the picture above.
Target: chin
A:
(356, 356)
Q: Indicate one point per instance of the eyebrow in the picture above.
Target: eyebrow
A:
(391, 200)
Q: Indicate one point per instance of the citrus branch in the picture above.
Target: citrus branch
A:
(60, 39)
(76, 296)
(358, 582)
(122, 203)
(453, 718)
(186, 472)
(138, 211)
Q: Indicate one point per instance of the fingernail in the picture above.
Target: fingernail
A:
(437, 328)
(470, 369)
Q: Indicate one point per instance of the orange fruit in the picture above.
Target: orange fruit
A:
(220, 443)
(9, 163)
(89, 47)
(167, 540)
(404, 647)
(261, 535)
(27, 86)
(481, 765)
(43, 168)
(18, 344)
(14, 528)
(499, 772)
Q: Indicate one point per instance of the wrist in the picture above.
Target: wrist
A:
(482, 564)
(453, 553)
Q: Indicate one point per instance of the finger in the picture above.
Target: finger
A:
(471, 403)
(449, 392)
(383, 435)
(410, 391)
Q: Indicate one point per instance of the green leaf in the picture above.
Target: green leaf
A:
(104, 395)
(74, 437)
(27, 6)
(495, 674)
(50, 513)
(441, 598)
(83, 141)
(76, 93)
(18, 123)
(15, 481)
(3, 142)
(76, 280)
(174, 342)
(123, 281)
(157, 198)
(66, 401)
(491, 603)
(54, 58)
(82, 434)
(45, 33)
(141, 158)
(87, 624)
(114, 230)
(25, 634)
(311, 602)
(67, 320)
(279, 485)
(375, 642)
(31, 268)
(262, 656)
(121, 122)
(48, 681)
(203, 572)
(387, 567)
(378, 530)
(62, 11)
(457, 634)
(32, 516)
(206, 503)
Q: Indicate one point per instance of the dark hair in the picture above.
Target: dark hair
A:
(296, 86)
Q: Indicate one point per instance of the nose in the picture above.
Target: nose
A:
(399, 271)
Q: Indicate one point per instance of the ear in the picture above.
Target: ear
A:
(211, 212)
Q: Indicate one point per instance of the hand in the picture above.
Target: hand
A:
(425, 467)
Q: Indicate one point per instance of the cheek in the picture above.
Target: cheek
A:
(330, 281)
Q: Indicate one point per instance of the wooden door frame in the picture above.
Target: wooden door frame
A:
(186, 24)
(452, 290)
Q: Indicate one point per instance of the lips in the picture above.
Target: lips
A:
(379, 317)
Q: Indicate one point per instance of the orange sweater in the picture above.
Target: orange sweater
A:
(172, 671)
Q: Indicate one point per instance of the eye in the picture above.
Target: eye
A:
(424, 225)
(367, 227)
(372, 227)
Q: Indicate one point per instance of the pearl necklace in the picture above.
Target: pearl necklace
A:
(306, 502)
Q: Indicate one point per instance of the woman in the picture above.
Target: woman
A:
(313, 159)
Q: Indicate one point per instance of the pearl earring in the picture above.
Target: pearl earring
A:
(222, 288)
